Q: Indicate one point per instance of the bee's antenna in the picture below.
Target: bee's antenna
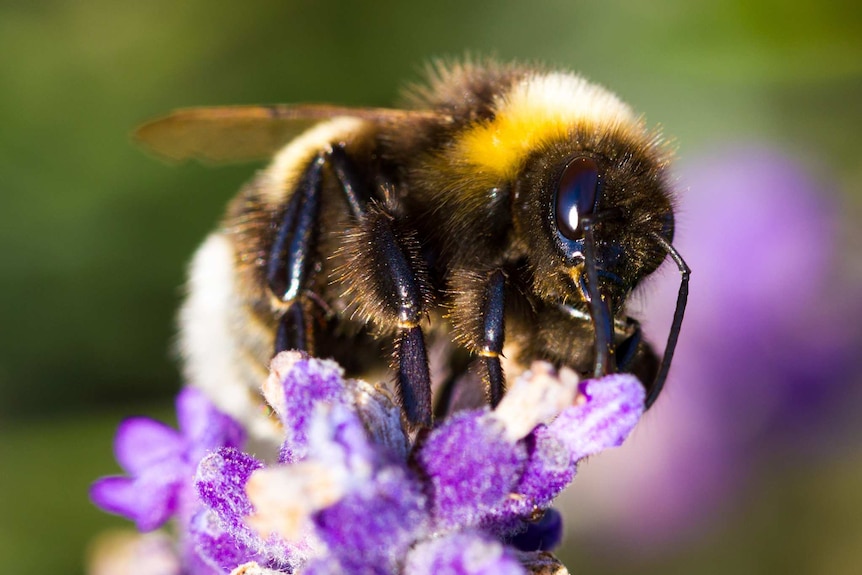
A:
(681, 300)
(602, 319)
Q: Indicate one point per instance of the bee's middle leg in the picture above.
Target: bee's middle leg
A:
(387, 281)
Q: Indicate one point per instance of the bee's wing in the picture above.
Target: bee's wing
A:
(243, 133)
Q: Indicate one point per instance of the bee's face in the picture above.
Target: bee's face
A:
(619, 190)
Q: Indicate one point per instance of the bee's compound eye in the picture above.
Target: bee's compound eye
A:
(576, 195)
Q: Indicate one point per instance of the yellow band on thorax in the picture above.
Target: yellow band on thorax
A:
(538, 110)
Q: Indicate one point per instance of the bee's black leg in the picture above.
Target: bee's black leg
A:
(601, 315)
(679, 312)
(477, 312)
(293, 332)
(455, 390)
(493, 322)
(291, 258)
(627, 350)
(414, 378)
(387, 272)
(397, 282)
(384, 272)
(356, 193)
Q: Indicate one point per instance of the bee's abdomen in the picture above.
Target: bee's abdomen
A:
(221, 342)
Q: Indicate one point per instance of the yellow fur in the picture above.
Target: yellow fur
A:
(540, 109)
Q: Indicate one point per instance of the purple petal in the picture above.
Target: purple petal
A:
(214, 546)
(148, 504)
(370, 529)
(613, 406)
(472, 468)
(205, 427)
(220, 483)
(464, 553)
(549, 470)
(142, 442)
(307, 383)
(338, 438)
(607, 411)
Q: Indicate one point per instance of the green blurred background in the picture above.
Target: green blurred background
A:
(95, 235)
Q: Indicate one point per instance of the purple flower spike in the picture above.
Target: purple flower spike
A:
(464, 553)
(472, 466)
(160, 461)
(352, 495)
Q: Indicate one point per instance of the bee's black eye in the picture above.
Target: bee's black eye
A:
(576, 195)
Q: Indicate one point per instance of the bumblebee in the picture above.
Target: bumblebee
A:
(504, 215)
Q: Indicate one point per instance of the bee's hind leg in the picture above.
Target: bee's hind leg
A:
(290, 263)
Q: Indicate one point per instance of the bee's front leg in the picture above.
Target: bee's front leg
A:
(626, 350)
(636, 356)
(493, 323)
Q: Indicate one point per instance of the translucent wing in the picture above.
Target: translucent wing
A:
(244, 133)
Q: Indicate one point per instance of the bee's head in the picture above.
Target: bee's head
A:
(567, 153)
(613, 187)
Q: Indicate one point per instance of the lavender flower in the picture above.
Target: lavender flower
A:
(350, 493)
(160, 461)
(357, 501)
